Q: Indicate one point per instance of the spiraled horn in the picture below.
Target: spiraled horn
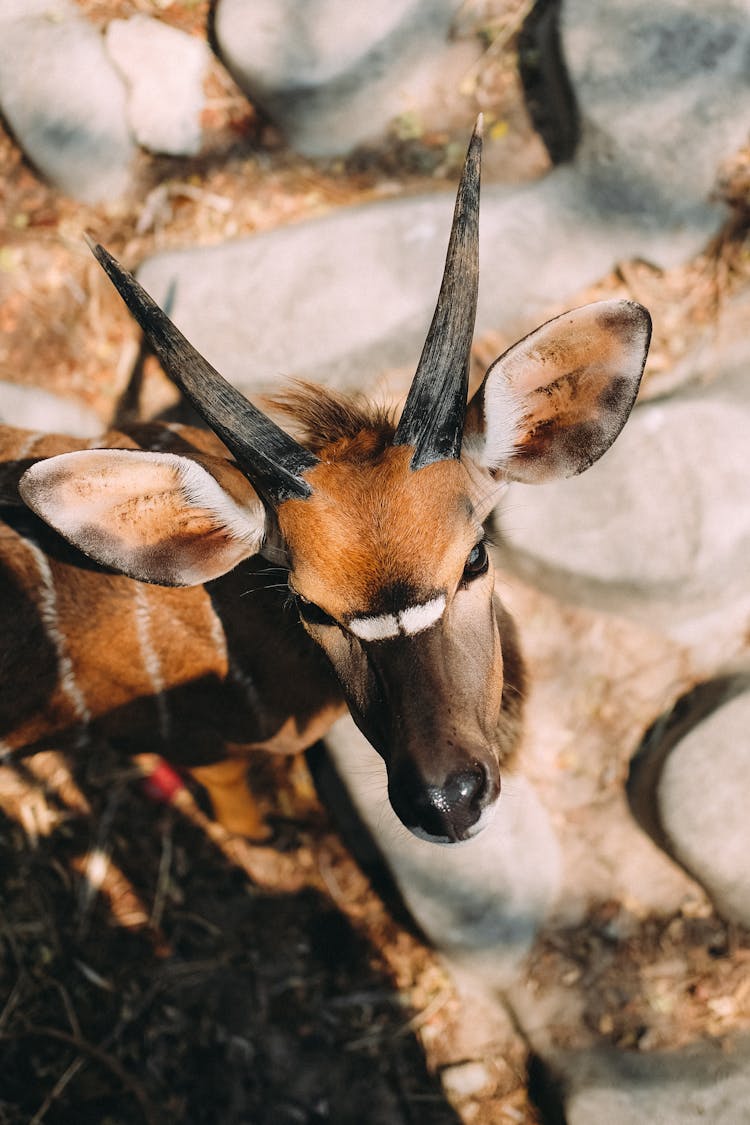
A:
(433, 416)
(272, 461)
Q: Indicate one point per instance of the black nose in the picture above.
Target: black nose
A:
(445, 812)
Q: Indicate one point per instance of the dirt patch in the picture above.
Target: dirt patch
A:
(154, 969)
(647, 984)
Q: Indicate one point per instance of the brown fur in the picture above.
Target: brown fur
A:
(337, 426)
(207, 673)
(386, 537)
(381, 533)
(378, 527)
(211, 710)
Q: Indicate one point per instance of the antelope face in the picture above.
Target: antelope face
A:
(382, 527)
(394, 582)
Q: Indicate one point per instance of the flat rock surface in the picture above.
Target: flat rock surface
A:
(348, 295)
(332, 74)
(163, 69)
(581, 730)
(481, 902)
(659, 527)
(702, 806)
(343, 297)
(677, 71)
(692, 1087)
(30, 408)
(63, 99)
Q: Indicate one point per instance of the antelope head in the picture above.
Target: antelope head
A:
(381, 527)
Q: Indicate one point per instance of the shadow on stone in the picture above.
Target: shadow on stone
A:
(688, 785)
(550, 98)
(356, 835)
(661, 738)
(545, 1092)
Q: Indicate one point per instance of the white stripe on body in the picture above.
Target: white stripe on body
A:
(413, 619)
(51, 622)
(150, 657)
(216, 632)
(237, 676)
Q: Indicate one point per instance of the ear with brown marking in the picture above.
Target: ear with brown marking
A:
(156, 517)
(555, 401)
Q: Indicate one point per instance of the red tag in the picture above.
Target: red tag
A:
(163, 783)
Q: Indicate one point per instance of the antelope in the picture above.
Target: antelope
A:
(209, 593)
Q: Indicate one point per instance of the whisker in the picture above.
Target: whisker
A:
(512, 688)
(264, 589)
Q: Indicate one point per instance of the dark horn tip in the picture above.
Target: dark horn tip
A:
(102, 256)
(272, 461)
(109, 264)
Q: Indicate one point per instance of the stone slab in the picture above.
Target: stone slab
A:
(332, 74)
(163, 69)
(701, 799)
(692, 1087)
(480, 902)
(63, 99)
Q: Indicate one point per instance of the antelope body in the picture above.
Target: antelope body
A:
(374, 527)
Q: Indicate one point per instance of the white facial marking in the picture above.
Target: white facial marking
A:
(375, 628)
(419, 617)
(503, 411)
(413, 619)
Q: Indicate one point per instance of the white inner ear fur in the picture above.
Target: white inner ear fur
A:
(503, 412)
(201, 490)
(67, 509)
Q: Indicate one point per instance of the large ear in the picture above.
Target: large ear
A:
(555, 401)
(152, 516)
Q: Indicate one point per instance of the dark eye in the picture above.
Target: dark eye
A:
(477, 562)
(312, 613)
